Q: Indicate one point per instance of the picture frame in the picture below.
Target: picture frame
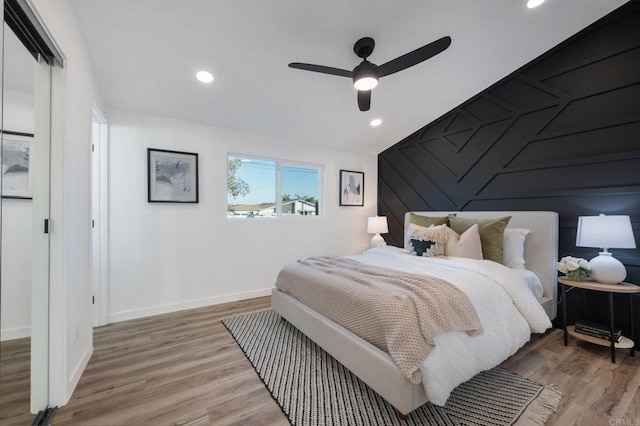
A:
(172, 176)
(351, 188)
(17, 165)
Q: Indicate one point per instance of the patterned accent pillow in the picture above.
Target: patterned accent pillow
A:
(434, 235)
(421, 247)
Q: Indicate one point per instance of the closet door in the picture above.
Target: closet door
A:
(25, 123)
(41, 229)
(19, 168)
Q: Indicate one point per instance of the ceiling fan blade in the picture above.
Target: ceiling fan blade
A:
(364, 100)
(321, 69)
(415, 57)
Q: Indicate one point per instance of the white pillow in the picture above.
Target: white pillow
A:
(513, 247)
(466, 245)
(414, 229)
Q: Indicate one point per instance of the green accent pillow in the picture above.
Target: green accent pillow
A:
(491, 234)
(427, 221)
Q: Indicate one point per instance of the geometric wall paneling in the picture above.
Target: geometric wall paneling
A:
(486, 110)
(609, 143)
(569, 205)
(406, 195)
(598, 110)
(619, 29)
(504, 149)
(437, 128)
(419, 181)
(460, 139)
(460, 122)
(394, 204)
(566, 178)
(523, 95)
(601, 75)
(459, 163)
(562, 133)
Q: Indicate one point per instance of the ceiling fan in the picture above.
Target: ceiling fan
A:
(365, 76)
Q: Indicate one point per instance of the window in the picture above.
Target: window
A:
(258, 187)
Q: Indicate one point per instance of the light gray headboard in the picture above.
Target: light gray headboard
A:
(540, 248)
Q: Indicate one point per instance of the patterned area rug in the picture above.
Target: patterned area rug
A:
(313, 389)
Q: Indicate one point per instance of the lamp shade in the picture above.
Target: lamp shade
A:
(365, 76)
(377, 225)
(605, 232)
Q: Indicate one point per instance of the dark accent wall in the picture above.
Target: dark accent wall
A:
(562, 134)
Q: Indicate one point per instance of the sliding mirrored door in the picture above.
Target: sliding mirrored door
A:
(24, 206)
(20, 152)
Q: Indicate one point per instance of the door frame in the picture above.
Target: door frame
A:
(40, 288)
(100, 219)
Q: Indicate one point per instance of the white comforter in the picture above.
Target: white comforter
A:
(507, 308)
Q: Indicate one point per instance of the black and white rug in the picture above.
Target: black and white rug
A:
(313, 389)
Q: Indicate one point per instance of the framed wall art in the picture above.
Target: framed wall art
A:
(17, 161)
(172, 176)
(351, 188)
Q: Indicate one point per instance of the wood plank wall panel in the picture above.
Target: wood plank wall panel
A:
(562, 133)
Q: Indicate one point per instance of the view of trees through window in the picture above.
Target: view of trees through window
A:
(253, 185)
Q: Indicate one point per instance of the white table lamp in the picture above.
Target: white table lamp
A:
(606, 232)
(377, 225)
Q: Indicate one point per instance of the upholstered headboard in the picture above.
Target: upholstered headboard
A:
(541, 245)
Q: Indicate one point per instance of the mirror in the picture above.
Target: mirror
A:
(16, 255)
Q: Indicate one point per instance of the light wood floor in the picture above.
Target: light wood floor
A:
(15, 362)
(185, 368)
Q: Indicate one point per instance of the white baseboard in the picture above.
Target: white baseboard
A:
(15, 333)
(190, 304)
(77, 373)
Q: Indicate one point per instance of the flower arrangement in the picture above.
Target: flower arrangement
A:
(576, 268)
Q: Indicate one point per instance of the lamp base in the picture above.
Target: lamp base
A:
(377, 241)
(607, 269)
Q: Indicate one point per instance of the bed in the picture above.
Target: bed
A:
(376, 368)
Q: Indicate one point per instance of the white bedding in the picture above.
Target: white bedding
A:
(507, 308)
(532, 281)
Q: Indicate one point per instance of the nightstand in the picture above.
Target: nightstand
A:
(625, 288)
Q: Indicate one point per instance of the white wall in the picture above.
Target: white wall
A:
(71, 333)
(17, 114)
(17, 225)
(167, 257)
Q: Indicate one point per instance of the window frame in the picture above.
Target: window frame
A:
(279, 163)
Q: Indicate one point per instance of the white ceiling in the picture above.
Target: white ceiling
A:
(145, 54)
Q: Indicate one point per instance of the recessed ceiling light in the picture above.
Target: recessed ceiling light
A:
(204, 76)
(376, 122)
(534, 3)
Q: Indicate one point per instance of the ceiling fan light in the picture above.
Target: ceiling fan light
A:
(365, 76)
(204, 76)
(534, 3)
(365, 83)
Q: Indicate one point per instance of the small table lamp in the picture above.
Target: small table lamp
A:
(606, 232)
(377, 225)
